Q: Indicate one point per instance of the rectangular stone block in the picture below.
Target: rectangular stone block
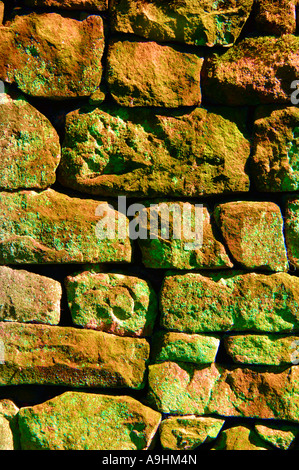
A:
(54, 355)
(50, 227)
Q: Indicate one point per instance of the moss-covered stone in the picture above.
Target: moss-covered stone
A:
(50, 227)
(28, 297)
(230, 300)
(240, 438)
(56, 355)
(257, 70)
(112, 150)
(149, 74)
(30, 148)
(292, 230)
(253, 232)
(48, 55)
(276, 149)
(200, 23)
(9, 434)
(181, 347)
(276, 16)
(88, 421)
(88, 5)
(188, 432)
(170, 244)
(272, 350)
(115, 303)
(279, 435)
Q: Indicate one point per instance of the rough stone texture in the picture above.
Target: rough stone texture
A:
(56, 355)
(149, 74)
(88, 421)
(207, 23)
(89, 5)
(47, 55)
(28, 297)
(230, 300)
(180, 347)
(188, 432)
(1, 12)
(274, 166)
(255, 71)
(178, 248)
(272, 350)
(280, 436)
(9, 439)
(240, 438)
(50, 227)
(115, 303)
(292, 230)
(181, 388)
(276, 16)
(253, 232)
(30, 148)
(112, 150)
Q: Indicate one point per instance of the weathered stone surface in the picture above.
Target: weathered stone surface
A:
(276, 149)
(168, 245)
(180, 347)
(210, 23)
(9, 439)
(50, 227)
(28, 297)
(240, 438)
(253, 232)
(92, 5)
(181, 388)
(276, 16)
(48, 55)
(188, 432)
(280, 436)
(230, 300)
(112, 150)
(1, 12)
(149, 74)
(88, 421)
(292, 230)
(115, 303)
(30, 148)
(56, 355)
(255, 71)
(272, 350)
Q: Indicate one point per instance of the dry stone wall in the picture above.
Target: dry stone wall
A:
(115, 334)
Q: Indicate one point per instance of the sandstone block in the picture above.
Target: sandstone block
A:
(240, 438)
(255, 71)
(88, 5)
(276, 16)
(51, 56)
(28, 297)
(88, 421)
(115, 303)
(188, 432)
(189, 22)
(149, 74)
(253, 232)
(230, 300)
(9, 436)
(280, 436)
(54, 355)
(112, 149)
(29, 146)
(50, 227)
(292, 230)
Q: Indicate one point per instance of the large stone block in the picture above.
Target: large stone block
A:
(56, 355)
(88, 421)
(230, 300)
(111, 150)
(9, 433)
(206, 23)
(276, 16)
(50, 227)
(51, 56)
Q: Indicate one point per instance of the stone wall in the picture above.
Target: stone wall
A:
(112, 339)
